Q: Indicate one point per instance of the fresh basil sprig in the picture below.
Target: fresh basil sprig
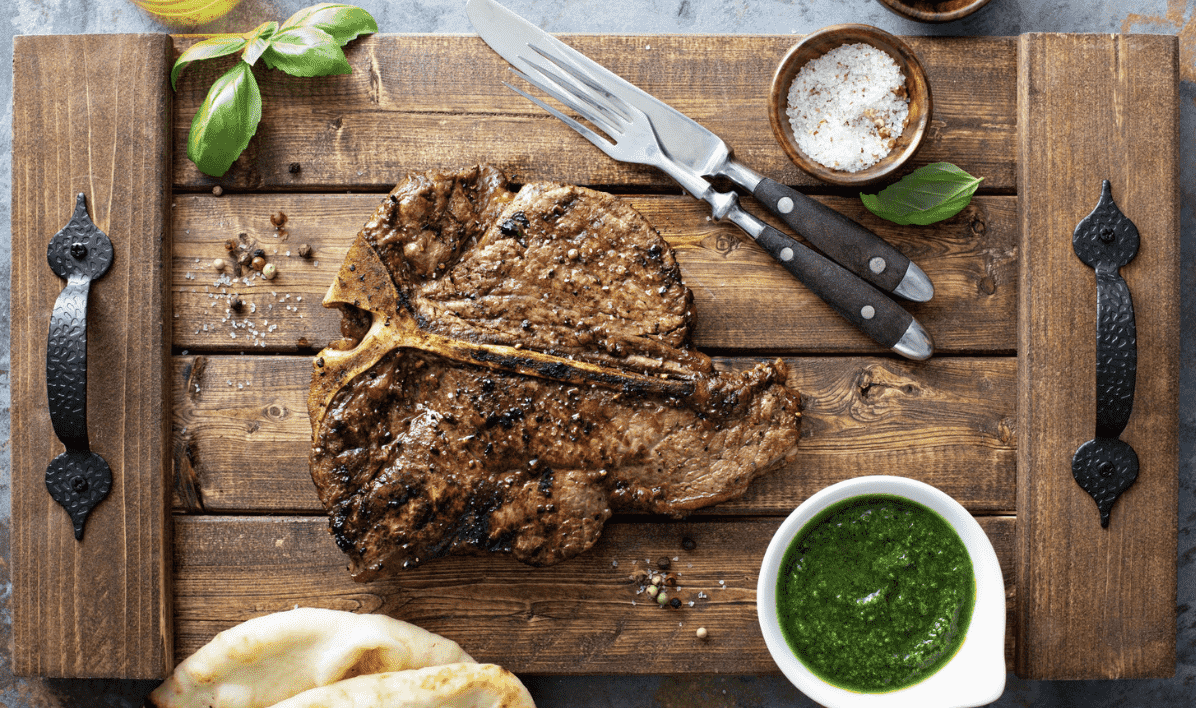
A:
(927, 195)
(307, 44)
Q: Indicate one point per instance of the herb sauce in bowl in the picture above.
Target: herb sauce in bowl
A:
(875, 593)
(884, 592)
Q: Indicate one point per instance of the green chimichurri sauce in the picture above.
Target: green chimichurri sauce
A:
(875, 593)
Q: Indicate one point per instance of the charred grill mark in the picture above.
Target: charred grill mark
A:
(507, 420)
(440, 445)
(515, 227)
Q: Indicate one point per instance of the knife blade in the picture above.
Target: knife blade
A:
(695, 147)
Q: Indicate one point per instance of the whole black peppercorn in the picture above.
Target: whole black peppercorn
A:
(688, 544)
(663, 563)
(674, 602)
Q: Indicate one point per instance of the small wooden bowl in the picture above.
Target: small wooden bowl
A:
(821, 42)
(928, 11)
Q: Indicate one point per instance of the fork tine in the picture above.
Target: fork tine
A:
(585, 132)
(609, 121)
(567, 65)
(591, 114)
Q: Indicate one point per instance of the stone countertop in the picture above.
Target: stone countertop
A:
(999, 18)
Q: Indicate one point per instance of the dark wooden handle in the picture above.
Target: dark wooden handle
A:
(857, 249)
(858, 302)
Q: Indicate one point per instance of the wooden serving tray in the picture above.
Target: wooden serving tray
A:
(213, 518)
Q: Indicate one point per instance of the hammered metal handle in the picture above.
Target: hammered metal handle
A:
(78, 479)
(1106, 240)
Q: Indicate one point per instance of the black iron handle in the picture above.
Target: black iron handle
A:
(78, 479)
(1106, 240)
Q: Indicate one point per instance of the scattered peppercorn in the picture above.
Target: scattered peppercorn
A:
(663, 563)
(217, 190)
(269, 271)
(259, 253)
(671, 581)
(688, 543)
(652, 590)
(295, 168)
(304, 250)
(277, 220)
(230, 245)
(656, 580)
(237, 303)
(702, 633)
(320, 361)
(674, 603)
(662, 598)
(258, 263)
(218, 264)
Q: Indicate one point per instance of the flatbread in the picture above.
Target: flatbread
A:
(450, 686)
(271, 658)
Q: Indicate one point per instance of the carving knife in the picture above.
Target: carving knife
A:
(696, 148)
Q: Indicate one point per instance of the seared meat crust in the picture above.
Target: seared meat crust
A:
(525, 373)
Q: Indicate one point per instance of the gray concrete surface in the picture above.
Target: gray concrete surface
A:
(1001, 17)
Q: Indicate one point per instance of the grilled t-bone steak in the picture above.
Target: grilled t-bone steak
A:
(515, 367)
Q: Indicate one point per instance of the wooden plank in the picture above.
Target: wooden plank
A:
(744, 300)
(416, 102)
(90, 114)
(1093, 602)
(949, 422)
(581, 616)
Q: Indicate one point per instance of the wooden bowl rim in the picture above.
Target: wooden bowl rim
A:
(903, 9)
(779, 98)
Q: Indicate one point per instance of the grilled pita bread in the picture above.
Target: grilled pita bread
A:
(449, 686)
(269, 659)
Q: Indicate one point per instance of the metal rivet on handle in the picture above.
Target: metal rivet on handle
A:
(786, 254)
(784, 205)
(877, 265)
(867, 312)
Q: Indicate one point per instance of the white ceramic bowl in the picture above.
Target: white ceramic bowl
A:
(974, 677)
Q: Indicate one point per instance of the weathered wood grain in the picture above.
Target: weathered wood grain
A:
(1093, 602)
(242, 434)
(420, 102)
(581, 616)
(90, 114)
(744, 300)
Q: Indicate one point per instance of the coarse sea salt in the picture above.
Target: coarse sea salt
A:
(848, 107)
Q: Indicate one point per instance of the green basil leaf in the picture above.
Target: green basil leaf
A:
(207, 49)
(258, 40)
(228, 118)
(927, 195)
(344, 22)
(306, 51)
